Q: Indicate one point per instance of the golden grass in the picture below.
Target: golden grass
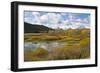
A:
(77, 46)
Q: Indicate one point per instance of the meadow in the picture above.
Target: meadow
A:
(77, 45)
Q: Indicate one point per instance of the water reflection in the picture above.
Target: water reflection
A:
(45, 45)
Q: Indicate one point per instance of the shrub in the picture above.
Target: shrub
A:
(35, 55)
(65, 53)
(40, 52)
(85, 43)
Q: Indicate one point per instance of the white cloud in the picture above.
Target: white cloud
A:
(36, 18)
(35, 13)
(59, 16)
(62, 26)
(54, 26)
(87, 20)
(78, 23)
(28, 19)
(54, 18)
(65, 22)
(51, 20)
(87, 26)
(73, 27)
(44, 19)
(79, 20)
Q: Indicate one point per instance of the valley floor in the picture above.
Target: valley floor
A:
(77, 45)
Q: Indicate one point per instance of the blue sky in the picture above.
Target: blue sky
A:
(63, 20)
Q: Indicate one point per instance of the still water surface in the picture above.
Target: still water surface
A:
(45, 45)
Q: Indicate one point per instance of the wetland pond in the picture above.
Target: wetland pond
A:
(45, 45)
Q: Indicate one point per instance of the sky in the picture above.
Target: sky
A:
(62, 20)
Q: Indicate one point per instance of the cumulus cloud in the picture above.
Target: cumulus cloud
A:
(35, 13)
(36, 18)
(58, 20)
(51, 19)
(54, 18)
(44, 19)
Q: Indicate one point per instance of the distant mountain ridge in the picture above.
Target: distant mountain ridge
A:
(34, 28)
